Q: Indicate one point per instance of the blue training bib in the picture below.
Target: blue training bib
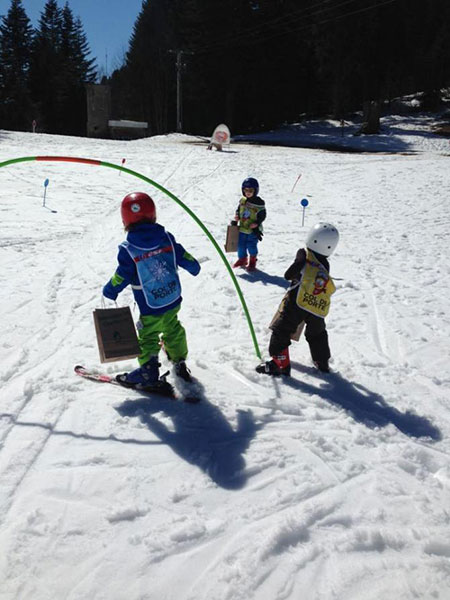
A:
(157, 272)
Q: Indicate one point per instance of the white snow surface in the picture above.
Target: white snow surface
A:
(317, 487)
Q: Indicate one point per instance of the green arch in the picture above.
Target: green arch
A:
(90, 161)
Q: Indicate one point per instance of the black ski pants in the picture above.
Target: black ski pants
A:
(315, 332)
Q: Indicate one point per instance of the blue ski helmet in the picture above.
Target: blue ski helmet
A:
(250, 182)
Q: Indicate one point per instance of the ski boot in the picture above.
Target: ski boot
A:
(241, 262)
(182, 371)
(279, 365)
(146, 374)
(252, 264)
(322, 366)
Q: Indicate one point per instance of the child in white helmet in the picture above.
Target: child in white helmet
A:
(307, 300)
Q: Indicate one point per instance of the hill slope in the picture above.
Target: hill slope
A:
(317, 487)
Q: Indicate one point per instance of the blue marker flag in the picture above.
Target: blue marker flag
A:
(45, 191)
(304, 202)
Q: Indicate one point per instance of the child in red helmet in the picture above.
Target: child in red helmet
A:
(250, 214)
(148, 261)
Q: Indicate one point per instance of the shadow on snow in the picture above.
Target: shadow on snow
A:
(265, 278)
(365, 406)
(201, 435)
(69, 433)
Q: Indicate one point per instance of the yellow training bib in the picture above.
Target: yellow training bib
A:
(248, 214)
(316, 287)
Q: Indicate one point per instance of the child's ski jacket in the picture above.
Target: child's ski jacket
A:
(249, 212)
(148, 261)
(312, 286)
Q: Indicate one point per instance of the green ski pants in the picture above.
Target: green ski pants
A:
(164, 327)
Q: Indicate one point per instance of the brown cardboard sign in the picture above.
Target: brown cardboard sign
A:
(231, 243)
(116, 334)
(295, 335)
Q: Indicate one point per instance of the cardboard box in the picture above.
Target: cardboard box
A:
(116, 334)
(231, 243)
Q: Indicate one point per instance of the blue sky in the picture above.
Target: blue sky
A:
(108, 25)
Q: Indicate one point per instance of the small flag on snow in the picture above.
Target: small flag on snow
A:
(304, 202)
(46, 182)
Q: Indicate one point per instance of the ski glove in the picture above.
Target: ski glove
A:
(109, 291)
(259, 234)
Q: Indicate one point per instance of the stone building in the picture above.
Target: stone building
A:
(98, 98)
(99, 122)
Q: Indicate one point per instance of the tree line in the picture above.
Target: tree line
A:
(43, 71)
(253, 64)
(258, 63)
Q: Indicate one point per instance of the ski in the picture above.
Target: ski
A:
(160, 388)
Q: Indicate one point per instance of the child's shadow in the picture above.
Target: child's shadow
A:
(365, 406)
(201, 435)
(265, 278)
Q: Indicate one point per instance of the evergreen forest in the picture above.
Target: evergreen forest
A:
(253, 64)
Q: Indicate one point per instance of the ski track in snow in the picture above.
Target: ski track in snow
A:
(322, 487)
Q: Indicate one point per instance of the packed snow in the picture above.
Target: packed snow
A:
(322, 487)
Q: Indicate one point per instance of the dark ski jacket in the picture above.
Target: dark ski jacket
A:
(294, 272)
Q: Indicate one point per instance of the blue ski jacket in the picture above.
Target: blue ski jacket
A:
(152, 244)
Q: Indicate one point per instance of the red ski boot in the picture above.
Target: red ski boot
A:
(241, 262)
(279, 365)
(252, 263)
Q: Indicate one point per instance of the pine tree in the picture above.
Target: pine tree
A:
(46, 71)
(59, 69)
(77, 70)
(75, 48)
(15, 51)
(149, 68)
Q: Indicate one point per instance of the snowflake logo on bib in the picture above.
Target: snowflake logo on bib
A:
(158, 269)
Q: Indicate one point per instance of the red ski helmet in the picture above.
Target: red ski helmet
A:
(136, 207)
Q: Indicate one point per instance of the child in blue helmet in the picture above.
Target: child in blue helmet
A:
(148, 261)
(250, 214)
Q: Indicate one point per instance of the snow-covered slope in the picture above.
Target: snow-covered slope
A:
(316, 487)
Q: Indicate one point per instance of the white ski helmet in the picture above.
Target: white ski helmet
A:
(322, 238)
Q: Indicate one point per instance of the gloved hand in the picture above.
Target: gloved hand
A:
(259, 234)
(234, 223)
(109, 291)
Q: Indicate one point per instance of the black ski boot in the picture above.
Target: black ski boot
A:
(162, 386)
(182, 371)
(322, 366)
